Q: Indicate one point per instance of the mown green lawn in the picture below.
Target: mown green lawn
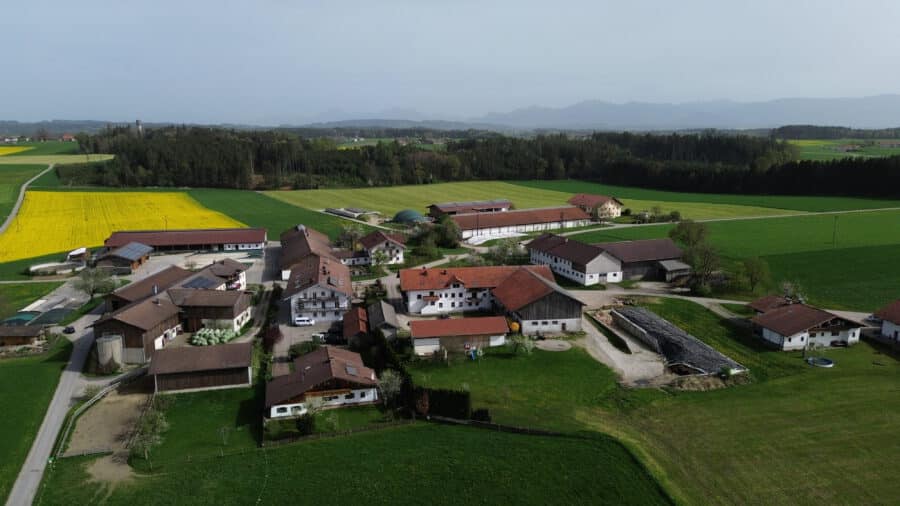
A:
(402, 465)
(797, 203)
(26, 387)
(259, 210)
(15, 297)
(850, 263)
(11, 179)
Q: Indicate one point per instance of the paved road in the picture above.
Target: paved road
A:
(71, 384)
(15, 209)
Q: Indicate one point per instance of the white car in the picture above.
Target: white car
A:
(303, 321)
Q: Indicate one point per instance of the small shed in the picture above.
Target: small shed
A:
(195, 368)
(17, 335)
(673, 269)
(126, 259)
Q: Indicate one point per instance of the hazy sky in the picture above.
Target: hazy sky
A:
(292, 61)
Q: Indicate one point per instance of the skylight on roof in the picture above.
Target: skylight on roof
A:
(351, 370)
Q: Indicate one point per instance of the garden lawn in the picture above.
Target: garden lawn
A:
(49, 222)
(525, 390)
(27, 387)
(857, 271)
(259, 210)
(15, 297)
(389, 200)
(12, 177)
(786, 202)
(404, 465)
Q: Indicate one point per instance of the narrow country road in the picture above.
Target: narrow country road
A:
(15, 210)
(70, 384)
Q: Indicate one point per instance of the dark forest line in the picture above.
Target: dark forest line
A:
(708, 162)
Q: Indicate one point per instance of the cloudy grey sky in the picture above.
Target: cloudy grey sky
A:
(270, 62)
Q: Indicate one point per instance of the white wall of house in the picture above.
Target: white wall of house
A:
(243, 246)
(530, 227)
(319, 303)
(551, 326)
(806, 338)
(609, 210)
(240, 283)
(825, 337)
(890, 330)
(160, 341)
(234, 324)
(427, 346)
(603, 269)
(453, 299)
(355, 396)
(392, 252)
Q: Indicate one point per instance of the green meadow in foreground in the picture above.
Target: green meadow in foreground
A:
(403, 465)
(14, 297)
(27, 387)
(12, 177)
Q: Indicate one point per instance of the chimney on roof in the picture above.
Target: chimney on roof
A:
(155, 289)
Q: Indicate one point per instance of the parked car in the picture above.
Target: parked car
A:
(303, 321)
(69, 330)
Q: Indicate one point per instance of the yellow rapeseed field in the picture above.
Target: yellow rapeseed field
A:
(51, 222)
(8, 150)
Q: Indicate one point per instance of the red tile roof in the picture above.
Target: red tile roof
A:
(356, 321)
(437, 278)
(485, 325)
(588, 200)
(891, 312)
(769, 302)
(522, 217)
(377, 237)
(193, 237)
(792, 319)
(524, 287)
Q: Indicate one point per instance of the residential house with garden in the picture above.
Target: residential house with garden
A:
(327, 377)
(600, 207)
(457, 335)
(319, 288)
(797, 326)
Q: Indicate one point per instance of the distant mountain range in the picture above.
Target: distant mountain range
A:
(882, 111)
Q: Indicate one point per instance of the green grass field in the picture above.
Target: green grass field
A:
(832, 149)
(405, 465)
(389, 200)
(258, 210)
(785, 202)
(15, 297)
(47, 148)
(12, 177)
(26, 158)
(28, 386)
(857, 271)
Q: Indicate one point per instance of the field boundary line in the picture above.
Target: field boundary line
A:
(15, 210)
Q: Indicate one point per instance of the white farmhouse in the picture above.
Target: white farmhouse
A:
(797, 326)
(602, 207)
(890, 321)
(318, 288)
(582, 263)
(330, 377)
(507, 223)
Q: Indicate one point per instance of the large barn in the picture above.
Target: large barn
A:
(192, 368)
(210, 239)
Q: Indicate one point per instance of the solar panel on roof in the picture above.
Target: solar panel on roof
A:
(200, 283)
(133, 251)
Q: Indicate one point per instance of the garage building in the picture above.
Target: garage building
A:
(202, 368)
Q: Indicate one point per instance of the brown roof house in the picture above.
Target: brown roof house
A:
(383, 317)
(519, 222)
(147, 287)
(214, 309)
(125, 259)
(475, 206)
(796, 326)
(145, 326)
(187, 369)
(537, 304)
(356, 324)
(458, 335)
(582, 263)
(601, 207)
(648, 259)
(319, 288)
(329, 377)
(18, 335)
(890, 321)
